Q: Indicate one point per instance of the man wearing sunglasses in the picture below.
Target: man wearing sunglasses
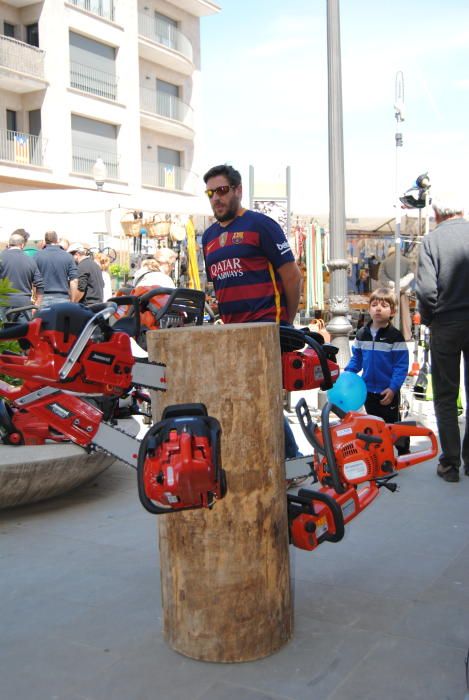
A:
(247, 257)
(249, 261)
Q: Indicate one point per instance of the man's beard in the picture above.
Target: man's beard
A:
(229, 213)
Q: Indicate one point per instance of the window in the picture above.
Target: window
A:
(165, 30)
(35, 122)
(32, 34)
(92, 66)
(11, 120)
(169, 168)
(9, 29)
(92, 139)
(167, 101)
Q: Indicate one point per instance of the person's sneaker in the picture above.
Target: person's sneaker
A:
(448, 472)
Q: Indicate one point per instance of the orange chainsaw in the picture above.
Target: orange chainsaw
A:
(353, 459)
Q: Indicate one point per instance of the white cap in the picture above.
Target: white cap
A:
(76, 248)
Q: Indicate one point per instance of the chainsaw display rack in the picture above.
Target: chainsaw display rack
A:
(225, 573)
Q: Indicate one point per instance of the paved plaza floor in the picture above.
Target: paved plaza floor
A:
(382, 615)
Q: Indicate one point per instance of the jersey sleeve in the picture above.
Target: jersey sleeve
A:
(274, 243)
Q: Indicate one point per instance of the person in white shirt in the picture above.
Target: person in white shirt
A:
(156, 271)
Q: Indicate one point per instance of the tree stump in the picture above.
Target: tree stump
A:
(225, 575)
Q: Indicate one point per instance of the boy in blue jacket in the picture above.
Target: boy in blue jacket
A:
(380, 351)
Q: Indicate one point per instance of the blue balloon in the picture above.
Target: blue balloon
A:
(349, 392)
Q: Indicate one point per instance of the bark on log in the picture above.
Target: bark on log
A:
(225, 574)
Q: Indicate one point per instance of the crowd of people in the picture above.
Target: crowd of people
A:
(56, 271)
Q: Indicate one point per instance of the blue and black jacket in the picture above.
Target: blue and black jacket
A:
(384, 360)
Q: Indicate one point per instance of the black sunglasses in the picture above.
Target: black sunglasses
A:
(223, 189)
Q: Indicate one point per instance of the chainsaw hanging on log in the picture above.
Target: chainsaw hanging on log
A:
(353, 459)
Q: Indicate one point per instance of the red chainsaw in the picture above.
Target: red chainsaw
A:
(141, 309)
(71, 354)
(311, 368)
(353, 459)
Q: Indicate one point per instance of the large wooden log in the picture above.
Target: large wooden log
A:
(225, 575)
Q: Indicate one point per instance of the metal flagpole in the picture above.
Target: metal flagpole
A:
(399, 114)
(339, 326)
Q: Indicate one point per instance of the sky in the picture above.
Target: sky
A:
(265, 103)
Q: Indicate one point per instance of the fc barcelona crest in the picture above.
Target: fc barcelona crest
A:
(238, 237)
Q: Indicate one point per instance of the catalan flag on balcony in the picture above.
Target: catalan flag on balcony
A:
(21, 148)
(169, 178)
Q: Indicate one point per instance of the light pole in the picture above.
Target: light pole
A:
(399, 114)
(339, 326)
(99, 172)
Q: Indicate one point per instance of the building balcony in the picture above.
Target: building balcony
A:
(20, 3)
(94, 81)
(21, 149)
(83, 160)
(102, 8)
(21, 66)
(166, 113)
(168, 177)
(160, 42)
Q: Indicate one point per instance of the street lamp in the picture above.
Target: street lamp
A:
(339, 326)
(99, 172)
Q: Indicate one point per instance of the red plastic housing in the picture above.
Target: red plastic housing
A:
(301, 370)
(181, 473)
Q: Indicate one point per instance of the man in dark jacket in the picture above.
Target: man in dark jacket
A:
(58, 269)
(90, 279)
(23, 274)
(443, 293)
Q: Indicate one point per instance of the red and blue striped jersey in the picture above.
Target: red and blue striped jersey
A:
(242, 260)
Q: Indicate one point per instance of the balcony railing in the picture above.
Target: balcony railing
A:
(103, 8)
(84, 158)
(21, 57)
(25, 149)
(165, 34)
(166, 105)
(92, 80)
(168, 177)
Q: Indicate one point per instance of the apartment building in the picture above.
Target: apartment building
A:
(117, 80)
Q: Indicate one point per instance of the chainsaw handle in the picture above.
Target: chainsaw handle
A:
(328, 446)
(146, 502)
(335, 509)
(18, 330)
(308, 426)
(80, 343)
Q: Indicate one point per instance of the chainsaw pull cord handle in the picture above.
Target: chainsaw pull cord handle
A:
(369, 439)
(80, 343)
(308, 426)
(328, 446)
(333, 506)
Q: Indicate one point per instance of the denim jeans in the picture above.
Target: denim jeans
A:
(291, 448)
(447, 342)
(52, 298)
